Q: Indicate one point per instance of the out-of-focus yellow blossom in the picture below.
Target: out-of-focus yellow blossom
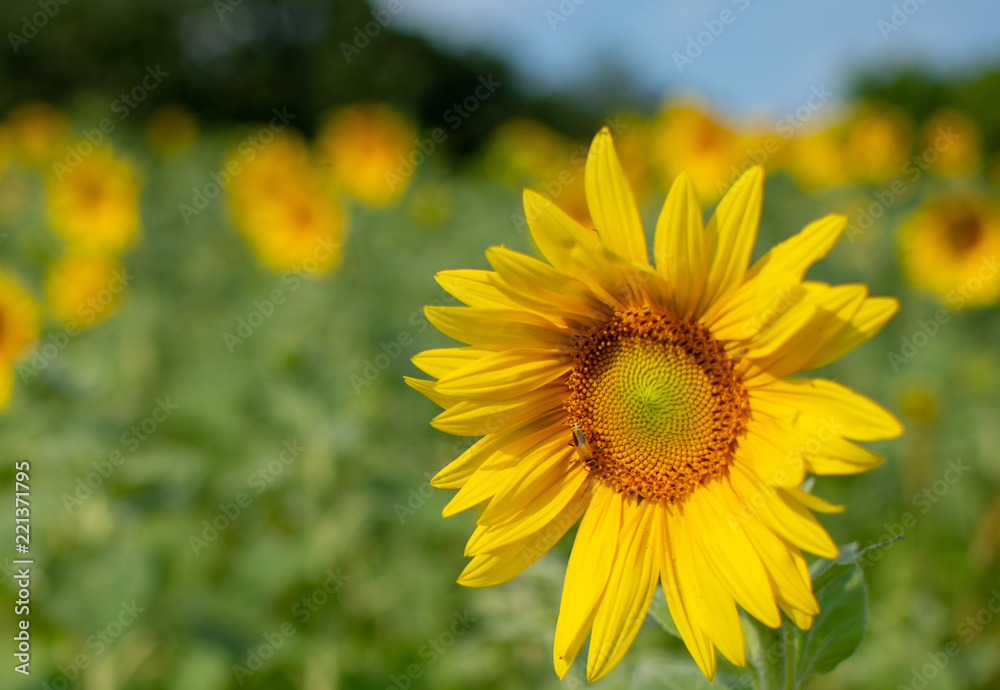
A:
(817, 160)
(527, 153)
(281, 206)
(18, 329)
(949, 245)
(685, 139)
(84, 289)
(266, 172)
(38, 133)
(368, 147)
(95, 205)
(522, 151)
(303, 228)
(879, 140)
(952, 140)
(171, 130)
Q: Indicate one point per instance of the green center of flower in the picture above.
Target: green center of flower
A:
(656, 404)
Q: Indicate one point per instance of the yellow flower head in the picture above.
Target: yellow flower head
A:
(38, 132)
(651, 403)
(879, 139)
(685, 140)
(171, 130)
(84, 289)
(367, 147)
(301, 229)
(279, 204)
(527, 152)
(18, 329)
(816, 159)
(94, 206)
(949, 245)
(951, 143)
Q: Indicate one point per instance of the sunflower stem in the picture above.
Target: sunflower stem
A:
(789, 635)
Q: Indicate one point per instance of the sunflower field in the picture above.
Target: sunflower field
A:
(256, 331)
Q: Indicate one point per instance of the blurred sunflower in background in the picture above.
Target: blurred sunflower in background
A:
(38, 133)
(84, 289)
(94, 206)
(878, 142)
(281, 206)
(956, 141)
(816, 159)
(18, 329)
(949, 245)
(526, 153)
(686, 140)
(651, 403)
(366, 146)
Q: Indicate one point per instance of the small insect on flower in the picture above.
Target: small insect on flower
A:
(580, 441)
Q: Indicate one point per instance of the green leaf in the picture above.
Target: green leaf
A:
(839, 627)
(786, 657)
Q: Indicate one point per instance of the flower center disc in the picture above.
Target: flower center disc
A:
(658, 403)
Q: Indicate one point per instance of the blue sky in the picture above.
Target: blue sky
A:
(763, 62)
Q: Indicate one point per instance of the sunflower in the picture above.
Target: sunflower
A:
(367, 146)
(949, 245)
(84, 289)
(279, 203)
(687, 140)
(951, 143)
(95, 205)
(879, 139)
(652, 405)
(38, 132)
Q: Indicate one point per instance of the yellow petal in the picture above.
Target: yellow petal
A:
(610, 201)
(697, 642)
(441, 361)
(854, 415)
(537, 504)
(504, 375)
(814, 321)
(811, 501)
(427, 388)
(771, 285)
(624, 604)
(534, 279)
(679, 247)
(587, 574)
(498, 566)
(730, 235)
(735, 560)
(473, 287)
(791, 582)
(497, 329)
(789, 520)
(471, 418)
(869, 320)
(707, 602)
(498, 449)
(555, 233)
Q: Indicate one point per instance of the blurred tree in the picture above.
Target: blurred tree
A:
(235, 60)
